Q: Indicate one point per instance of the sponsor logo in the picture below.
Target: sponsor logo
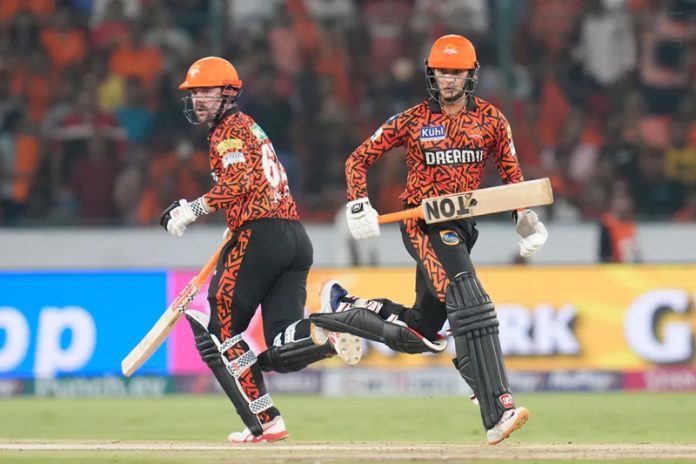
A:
(475, 132)
(584, 380)
(453, 156)
(258, 132)
(449, 237)
(231, 158)
(506, 400)
(656, 327)
(670, 380)
(543, 330)
(432, 133)
(356, 208)
(527, 381)
(101, 386)
(228, 145)
(449, 207)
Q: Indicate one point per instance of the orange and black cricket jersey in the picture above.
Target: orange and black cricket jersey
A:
(251, 182)
(444, 154)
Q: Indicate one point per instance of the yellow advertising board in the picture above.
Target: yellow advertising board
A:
(611, 317)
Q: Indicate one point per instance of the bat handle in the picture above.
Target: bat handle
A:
(202, 276)
(412, 213)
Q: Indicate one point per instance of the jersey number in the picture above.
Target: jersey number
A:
(271, 168)
(275, 173)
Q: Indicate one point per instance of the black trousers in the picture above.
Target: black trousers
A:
(265, 263)
(441, 251)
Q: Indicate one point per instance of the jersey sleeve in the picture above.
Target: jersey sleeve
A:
(389, 135)
(504, 152)
(235, 167)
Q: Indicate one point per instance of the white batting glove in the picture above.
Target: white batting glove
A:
(182, 213)
(532, 231)
(362, 219)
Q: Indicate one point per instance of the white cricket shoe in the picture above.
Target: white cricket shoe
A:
(272, 431)
(348, 347)
(512, 420)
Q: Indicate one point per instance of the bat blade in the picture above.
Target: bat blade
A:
(159, 332)
(487, 201)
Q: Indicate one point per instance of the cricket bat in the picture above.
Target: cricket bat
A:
(164, 325)
(478, 202)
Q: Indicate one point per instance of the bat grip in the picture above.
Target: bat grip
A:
(412, 213)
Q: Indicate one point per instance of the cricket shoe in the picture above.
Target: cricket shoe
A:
(272, 431)
(348, 347)
(512, 420)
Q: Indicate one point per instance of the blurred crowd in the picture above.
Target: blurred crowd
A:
(600, 94)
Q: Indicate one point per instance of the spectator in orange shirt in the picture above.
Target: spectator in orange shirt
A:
(10, 8)
(64, 44)
(31, 80)
(618, 243)
(134, 58)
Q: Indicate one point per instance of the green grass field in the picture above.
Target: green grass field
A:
(409, 429)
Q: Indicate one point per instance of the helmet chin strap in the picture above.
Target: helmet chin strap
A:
(227, 100)
(454, 98)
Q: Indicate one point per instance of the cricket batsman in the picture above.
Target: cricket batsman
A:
(265, 262)
(448, 139)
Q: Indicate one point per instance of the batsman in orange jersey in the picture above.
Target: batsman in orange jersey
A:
(265, 262)
(448, 139)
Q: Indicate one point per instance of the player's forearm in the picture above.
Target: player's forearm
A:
(357, 165)
(509, 169)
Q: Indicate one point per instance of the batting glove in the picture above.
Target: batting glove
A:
(182, 213)
(362, 219)
(532, 231)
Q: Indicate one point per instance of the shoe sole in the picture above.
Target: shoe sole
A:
(265, 438)
(318, 335)
(522, 418)
(349, 348)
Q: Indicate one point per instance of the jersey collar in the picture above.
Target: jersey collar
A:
(435, 107)
(222, 117)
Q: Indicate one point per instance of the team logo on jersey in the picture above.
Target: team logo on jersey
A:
(449, 237)
(454, 156)
(229, 145)
(475, 132)
(432, 133)
(450, 49)
(258, 132)
(232, 157)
